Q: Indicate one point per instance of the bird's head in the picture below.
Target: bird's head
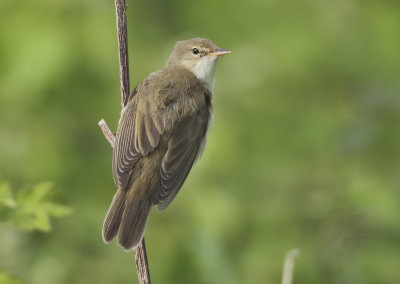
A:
(198, 55)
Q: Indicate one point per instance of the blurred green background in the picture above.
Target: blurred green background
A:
(304, 151)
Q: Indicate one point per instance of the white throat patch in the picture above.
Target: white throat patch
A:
(205, 70)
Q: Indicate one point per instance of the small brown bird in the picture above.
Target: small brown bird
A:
(161, 133)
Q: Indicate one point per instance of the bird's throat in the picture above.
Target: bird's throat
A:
(205, 70)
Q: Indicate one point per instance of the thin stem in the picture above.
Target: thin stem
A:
(107, 132)
(142, 265)
(288, 265)
(122, 30)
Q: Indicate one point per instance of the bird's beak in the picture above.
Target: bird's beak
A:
(219, 52)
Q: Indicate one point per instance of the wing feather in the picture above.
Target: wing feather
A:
(124, 155)
(183, 148)
(138, 135)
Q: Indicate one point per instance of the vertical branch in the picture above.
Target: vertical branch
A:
(141, 263)
(122, 30)
(142, 266)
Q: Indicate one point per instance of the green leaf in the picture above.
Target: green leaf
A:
(32, 208)
(6, 195)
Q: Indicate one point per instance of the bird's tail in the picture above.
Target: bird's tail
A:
(127, 218)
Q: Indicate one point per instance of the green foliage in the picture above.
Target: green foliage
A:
(31, 209)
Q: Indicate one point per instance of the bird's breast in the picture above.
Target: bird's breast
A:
(210, 119)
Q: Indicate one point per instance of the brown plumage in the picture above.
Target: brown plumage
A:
(161, 132)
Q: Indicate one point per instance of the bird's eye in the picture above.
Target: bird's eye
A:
(195, 51)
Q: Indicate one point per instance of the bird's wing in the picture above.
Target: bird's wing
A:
(183, 148)
(138, 134)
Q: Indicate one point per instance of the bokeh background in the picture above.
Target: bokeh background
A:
(304, 151)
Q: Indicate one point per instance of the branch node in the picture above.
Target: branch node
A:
(107, 132)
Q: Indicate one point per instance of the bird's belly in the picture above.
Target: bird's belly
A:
(204, 140)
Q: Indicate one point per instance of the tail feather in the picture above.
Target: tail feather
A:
(133, 223)
(127, 218)
(114, 216)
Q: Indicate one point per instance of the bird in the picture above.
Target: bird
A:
(162, 131)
